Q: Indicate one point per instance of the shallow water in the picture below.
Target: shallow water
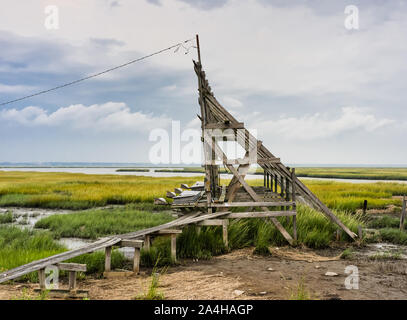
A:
(152, 173)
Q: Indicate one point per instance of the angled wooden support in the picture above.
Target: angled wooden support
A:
(252, 193)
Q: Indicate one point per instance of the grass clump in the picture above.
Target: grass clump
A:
(301, 292)
(347, 253)
(18, 247)
(384, 222)
(393, 235)
(92, 224)
(153, 293)
(386, 256)
(6, 218)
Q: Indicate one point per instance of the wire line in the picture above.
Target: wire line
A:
(178, 45)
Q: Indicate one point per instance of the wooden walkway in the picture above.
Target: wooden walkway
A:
(103, 243)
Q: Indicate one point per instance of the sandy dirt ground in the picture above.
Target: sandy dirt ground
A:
(242, 275)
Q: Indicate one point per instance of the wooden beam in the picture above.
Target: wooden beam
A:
(211, 222)
(169, 231)
(132, 243)
(263, 214)
(220, 125)
(71, 266)
(253, 194)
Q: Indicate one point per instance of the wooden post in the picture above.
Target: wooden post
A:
(360, 233)
(198, 48)
(294, 205)
(108, 259)
(338, 235)
(268, 181)
(72, 280)
(136, 260)
(225, 224)
(174, 247)
(364, 206)
(147, 242)
(41, 278)
(403, 213)
(287, 198)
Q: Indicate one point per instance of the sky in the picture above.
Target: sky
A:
(314, 90)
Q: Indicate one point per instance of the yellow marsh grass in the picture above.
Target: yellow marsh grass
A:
(80, 191)
(40, 189)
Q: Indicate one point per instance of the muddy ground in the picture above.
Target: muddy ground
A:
(243, 275)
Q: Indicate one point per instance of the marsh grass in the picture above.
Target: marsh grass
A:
(393, 236)
(385, 222)
(18, 247)
(347, 253)
(6, 218)
(21, 246)
(95, 223)
(81, 191)
(153, 293)
(301, 291)
(386, 256)
(354, 173)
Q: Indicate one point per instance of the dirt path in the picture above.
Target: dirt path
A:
(274, 277)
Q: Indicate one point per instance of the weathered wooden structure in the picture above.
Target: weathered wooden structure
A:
(208, 203)
(281, 189)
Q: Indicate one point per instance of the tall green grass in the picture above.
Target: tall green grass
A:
(92, 224)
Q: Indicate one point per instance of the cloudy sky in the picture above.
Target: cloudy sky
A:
(315, 91)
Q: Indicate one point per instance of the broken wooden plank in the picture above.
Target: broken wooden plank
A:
(262, 214)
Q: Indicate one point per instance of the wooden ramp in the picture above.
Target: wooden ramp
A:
(101, 244)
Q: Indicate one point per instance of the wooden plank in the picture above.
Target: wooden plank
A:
(169, 231)
(71, 266)
(267, 160)
(254, 204)
(132, 243)
(212, 222)
(220, 125)
(262, 214)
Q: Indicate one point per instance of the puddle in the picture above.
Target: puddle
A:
(384, 249)
(26, 218)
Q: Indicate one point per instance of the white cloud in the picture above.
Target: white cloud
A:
(233, 103)
(14, 89)
(110, 116)
(319, 126)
